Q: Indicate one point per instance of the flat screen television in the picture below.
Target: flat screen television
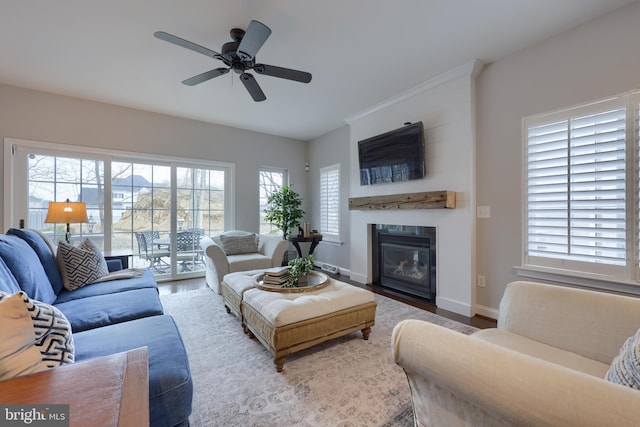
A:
(394, 156)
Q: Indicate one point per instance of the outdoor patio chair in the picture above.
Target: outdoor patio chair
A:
(189, 252)
(147, 252)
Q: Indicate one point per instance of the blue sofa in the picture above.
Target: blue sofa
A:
(106, 318)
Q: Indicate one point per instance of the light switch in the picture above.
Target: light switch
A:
(483, 212)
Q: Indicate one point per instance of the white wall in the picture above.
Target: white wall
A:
(328, 150)
(446, 107)
(40, 116)
(591, 61)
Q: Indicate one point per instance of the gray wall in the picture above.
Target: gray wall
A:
(327, 150)
(591, 61)
(40, 116)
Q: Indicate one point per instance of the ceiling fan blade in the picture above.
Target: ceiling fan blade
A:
(283, 73)
(252, 86)
(253, 39)
(187, 44)
(208, 75)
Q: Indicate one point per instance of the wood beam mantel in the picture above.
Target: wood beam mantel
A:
(425, 200)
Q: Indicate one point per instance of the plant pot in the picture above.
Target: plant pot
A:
(302, 280)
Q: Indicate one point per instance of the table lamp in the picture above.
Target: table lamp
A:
(66, 213)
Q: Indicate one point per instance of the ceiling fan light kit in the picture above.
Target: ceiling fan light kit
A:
(239, 55)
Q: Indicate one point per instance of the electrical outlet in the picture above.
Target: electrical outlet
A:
(482, 281)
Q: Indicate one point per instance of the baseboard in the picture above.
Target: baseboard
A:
(485, 311)
(454, 306)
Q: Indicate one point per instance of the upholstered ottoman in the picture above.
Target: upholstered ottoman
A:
(233, 286)
(289, 322)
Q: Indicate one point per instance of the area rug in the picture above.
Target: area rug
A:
(344, 382)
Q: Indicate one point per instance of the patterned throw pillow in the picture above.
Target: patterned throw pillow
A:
(234, 245)
(625, 368)
(18, 355)
(80, 266)
(40, 336)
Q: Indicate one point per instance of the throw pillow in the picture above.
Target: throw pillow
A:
(26, 268)
(8, 283)
(53, 332)
(234, 245)
(43, 247)
(18, 353)
(625, 368)
(80, 265)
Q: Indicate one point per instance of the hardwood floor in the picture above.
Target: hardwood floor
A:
(172, 287)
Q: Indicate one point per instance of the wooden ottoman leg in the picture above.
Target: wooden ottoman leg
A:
(366, 332)
(279, 361)
(226, 307)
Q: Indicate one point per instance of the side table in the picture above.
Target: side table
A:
(122, 255)
(106, 391)
(313, 239)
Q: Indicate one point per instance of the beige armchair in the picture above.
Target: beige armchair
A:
(544, 364)
(236, 250)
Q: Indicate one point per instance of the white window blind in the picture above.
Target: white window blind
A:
(580, 206)
(330, 202)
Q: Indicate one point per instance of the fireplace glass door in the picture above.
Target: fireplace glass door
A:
(404, 261)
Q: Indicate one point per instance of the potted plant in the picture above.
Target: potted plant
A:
(283, 209)
(298, 269)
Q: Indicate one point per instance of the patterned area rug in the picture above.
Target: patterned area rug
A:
(344, 382)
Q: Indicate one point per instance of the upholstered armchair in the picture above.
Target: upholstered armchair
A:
(237, 250)
(556, 358)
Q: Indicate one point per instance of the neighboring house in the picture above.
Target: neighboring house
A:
(124, 193)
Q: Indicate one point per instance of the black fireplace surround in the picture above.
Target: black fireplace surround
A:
(404, 260)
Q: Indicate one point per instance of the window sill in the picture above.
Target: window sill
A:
(331, 242)
(602, 283)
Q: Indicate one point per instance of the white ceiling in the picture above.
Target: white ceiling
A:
(360, 52)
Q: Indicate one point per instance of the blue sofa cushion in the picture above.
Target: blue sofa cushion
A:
(114, 265)
(26, 268)
(8, 283)
(109, 287)
(102, 310)
(170, 384)
(43, 251)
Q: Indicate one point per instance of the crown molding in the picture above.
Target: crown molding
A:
(470, 69)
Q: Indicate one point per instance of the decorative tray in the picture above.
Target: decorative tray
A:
(315, 281)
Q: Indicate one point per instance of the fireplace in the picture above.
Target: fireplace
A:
(404, 260)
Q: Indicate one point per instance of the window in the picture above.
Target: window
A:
(581, 206)
(270, 179)
(61, 177)
(330, 202)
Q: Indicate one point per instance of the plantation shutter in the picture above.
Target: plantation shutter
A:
(330, 202)
(576, 188)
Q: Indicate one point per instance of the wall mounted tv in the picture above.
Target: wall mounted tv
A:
(394, 156)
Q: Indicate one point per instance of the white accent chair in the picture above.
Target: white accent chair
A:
(270, 253)
(544, 365)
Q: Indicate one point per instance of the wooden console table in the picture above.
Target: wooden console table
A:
(103, 392)
(296, 240)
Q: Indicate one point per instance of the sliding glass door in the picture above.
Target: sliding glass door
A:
(154, 211)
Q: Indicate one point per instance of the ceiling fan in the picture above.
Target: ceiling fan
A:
(239, 55)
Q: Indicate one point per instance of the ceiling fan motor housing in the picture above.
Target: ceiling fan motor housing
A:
(231, 58)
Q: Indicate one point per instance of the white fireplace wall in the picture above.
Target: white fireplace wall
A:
(446, 106)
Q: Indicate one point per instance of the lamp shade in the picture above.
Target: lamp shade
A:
(66, 212)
